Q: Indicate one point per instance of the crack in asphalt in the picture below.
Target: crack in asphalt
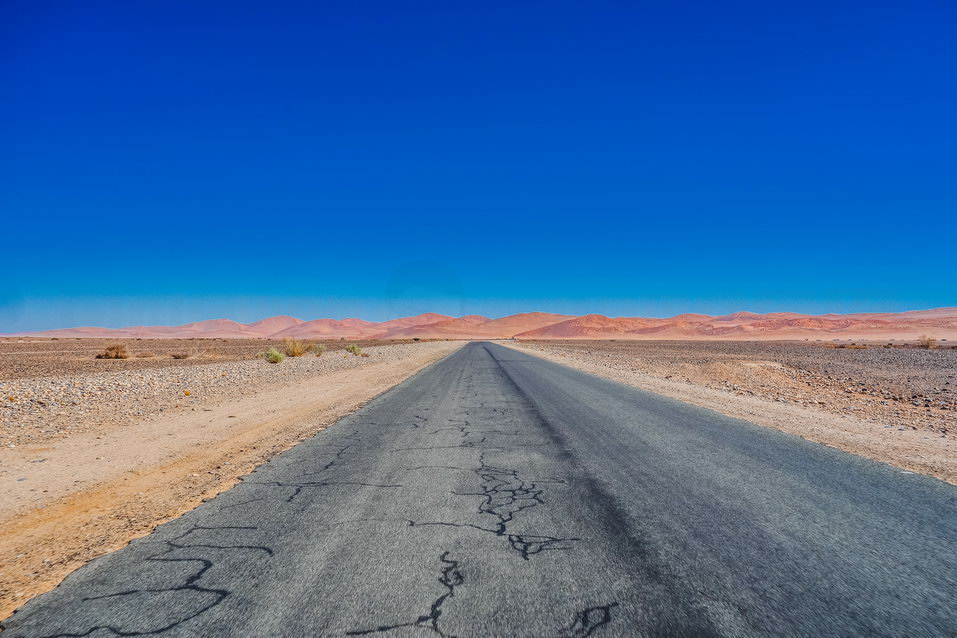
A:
(344, 451)
(504, 495)
(299, 487)
(190, 584)
(450, 578)
(588, 621)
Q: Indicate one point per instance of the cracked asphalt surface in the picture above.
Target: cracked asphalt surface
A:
(498, 494)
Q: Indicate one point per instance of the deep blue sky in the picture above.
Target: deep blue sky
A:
(170, 161)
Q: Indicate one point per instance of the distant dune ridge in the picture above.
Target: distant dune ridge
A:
(940, 323)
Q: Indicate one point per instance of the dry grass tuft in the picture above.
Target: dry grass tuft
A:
(295, 347)
(354, 349)
(319, 348)
(927, 342)
(274, 356)
(116, 351)
(192, 354)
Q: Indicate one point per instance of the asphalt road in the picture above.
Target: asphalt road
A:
(497, 494)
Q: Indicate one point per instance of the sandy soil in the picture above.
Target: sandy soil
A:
(72, 494)
(893, 405)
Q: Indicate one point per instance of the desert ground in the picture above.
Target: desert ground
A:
(95, 452)
(498, 493)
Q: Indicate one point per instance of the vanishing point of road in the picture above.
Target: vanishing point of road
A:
(498, 494)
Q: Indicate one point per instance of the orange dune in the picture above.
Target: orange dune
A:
(272, 325)
(940, 323)
(478, 327)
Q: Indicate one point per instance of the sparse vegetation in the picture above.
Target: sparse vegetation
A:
(319, 348)
(144, 355)
(354, 349)
(295, 347)
(189, 355)
(115, 351)
(926, 341)
(275, 356)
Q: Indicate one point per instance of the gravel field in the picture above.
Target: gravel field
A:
(25, 358)
(35, 409)
(902, 387)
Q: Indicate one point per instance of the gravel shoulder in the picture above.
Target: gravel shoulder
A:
(892, 406)
(107, 456)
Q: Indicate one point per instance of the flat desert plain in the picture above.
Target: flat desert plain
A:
(96, 452)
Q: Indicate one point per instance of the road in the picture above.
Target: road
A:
(498, 494)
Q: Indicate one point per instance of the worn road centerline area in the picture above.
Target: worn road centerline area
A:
(499, 494)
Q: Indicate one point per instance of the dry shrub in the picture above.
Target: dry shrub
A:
(319, 348)
(274, 356)
(354, 349)
(192, 354)
(116, 351)
(145, 355)
(926, 341)
(295, 347)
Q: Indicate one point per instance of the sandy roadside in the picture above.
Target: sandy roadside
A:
(913, 450)
(75, 498)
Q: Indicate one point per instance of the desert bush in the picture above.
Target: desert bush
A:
(295, 347)
(116, 351)
(319, 348)
(354, 349)
(274, 356)
(191, 354)
(926, 341)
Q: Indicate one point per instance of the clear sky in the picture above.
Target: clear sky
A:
(162, 162)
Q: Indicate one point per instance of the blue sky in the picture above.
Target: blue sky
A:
(171, 161)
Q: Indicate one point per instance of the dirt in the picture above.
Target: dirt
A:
(896, 405)
(37, 408)
(81, 494)
(30, 357)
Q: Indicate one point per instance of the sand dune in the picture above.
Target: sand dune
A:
(940, 323)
